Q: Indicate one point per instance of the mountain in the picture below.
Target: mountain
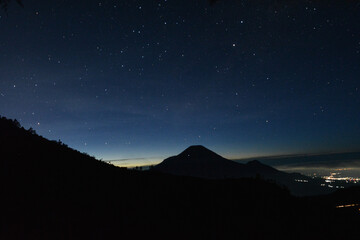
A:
(50, 191)
(198, 161)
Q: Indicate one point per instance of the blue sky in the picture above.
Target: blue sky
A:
(138, 79)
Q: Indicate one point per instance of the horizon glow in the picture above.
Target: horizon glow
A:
(130, 82)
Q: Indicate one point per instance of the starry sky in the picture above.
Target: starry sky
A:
(138, 81)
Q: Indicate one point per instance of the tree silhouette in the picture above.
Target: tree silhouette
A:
(32, 131)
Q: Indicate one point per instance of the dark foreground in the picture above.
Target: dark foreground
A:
(49, 191)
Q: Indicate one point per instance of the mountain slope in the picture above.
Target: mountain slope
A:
(49, 191)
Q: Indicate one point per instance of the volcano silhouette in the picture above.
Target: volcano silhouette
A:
(198, 161)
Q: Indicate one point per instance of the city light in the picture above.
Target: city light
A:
(348, 205)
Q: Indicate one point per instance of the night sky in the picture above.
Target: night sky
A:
(145, 79)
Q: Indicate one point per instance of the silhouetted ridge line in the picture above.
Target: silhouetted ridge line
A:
(49, 191)
(198, 161)
(259, 167)
(24, 148)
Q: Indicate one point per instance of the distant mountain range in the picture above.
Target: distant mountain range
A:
(198, 161)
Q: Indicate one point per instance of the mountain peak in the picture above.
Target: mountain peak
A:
(196, 148)
(199, 151)
(198, 161)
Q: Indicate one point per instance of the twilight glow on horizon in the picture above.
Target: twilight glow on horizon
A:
(142, 80)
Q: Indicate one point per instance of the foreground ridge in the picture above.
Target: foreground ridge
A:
(50, 191)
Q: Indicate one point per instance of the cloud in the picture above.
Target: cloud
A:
(333, 160)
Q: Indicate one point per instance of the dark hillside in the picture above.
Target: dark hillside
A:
(49, 191)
